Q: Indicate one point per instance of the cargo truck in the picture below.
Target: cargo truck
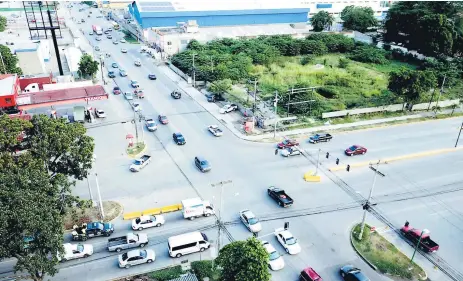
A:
(79, 114)
(195, 207)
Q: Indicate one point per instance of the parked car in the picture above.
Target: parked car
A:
(176, 95)
(413, 235)
(290, 151)
(275, 260)
(114, 65)
(151, 125)
(288, 241)
(134, 84)
(228, 108)
(111, 74)
(287, 143)
(116, 90)
(321, 137)
(152, 76)
(280, 196)
(163, 119)
(136, 257)
(122, 73)
(128, 96)
(355, 150)
(214, 98)
(147, 222)
(250, 221)
(123, 50)
(100, 113)
(202, 164)
(215, 130)
(178, 138)
(351, 273)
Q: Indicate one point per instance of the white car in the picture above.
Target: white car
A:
(100, 113)
(228, 108)
(122, 41)
(147, 221)
(136, 107)
(290, 151)
(128, 95)
(250, 221)
(90, 33)
(151, 125)
(123, 50)
(75, 251)
(136, 257)
(288, 241)
(215, 130)
(137, 63)
(98, 38)
(275, 260)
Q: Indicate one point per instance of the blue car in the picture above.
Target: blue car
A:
(202, 164)
(114, 65)
(111, 74)
(179, 139)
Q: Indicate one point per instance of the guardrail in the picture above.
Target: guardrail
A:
(153, 211)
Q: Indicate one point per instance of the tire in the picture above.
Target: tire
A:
(84, 238)
(86, 256)
(142, 245)
(279, 204)
(192, 218)
(127, 266)
(158, 225)
(268, 193)
(107, 234)
(178, 255)
(202, 249)
(343, 274)
(207, 215)
(287, 251)
(363, 152)
(149, 261)
(140, 228)
(118, 250)
(352, 154)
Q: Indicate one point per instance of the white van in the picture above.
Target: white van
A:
(187, 243)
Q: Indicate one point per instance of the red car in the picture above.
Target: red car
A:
(117, 91)
(163, 119)
(355, 150)
(287, 143)
(308, 274)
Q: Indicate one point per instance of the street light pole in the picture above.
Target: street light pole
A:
(458, 138)
(275, 103)
(219, 219)
(367, 204)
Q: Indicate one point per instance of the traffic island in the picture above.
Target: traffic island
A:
(384, 257)
(78, 216)
(136, 149)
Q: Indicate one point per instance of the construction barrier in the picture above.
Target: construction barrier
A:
(153, 211)
(311, 177)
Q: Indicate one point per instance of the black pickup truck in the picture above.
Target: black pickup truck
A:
(321, 137)
(280, 196)
(413, 235)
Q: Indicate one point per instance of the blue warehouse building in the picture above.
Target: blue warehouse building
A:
(209, 13)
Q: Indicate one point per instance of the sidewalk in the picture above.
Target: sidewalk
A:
(227, 120)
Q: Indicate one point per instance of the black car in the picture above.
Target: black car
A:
(322, 137)
(109, 36)
(176, 95)
(111, 74)
(202, 164)
(178, 138)
(152, 77)
(351, 273)
(214, 98)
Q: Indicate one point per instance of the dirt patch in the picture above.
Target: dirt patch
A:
(136, 150)
(77, 216)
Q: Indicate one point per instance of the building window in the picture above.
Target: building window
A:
(184, 42)
(169, 43)
(8, 100)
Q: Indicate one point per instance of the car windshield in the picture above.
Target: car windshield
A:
(124, 256)
(138, 220)
(274, 255)
(100, 111)
(137, 162)
(204, 163)
(353, 147)
(253, 221)
(143, 254)
(80, 248)
(180, 138)
(291, 241)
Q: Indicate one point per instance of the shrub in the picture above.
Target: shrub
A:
(343, 63)
(307, 59)
(317, 48)
(202, 269)
(167, 273)
(369, 54)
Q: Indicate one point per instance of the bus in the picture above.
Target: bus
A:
(115, 25)
(187, 243)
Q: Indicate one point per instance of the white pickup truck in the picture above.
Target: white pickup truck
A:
(128, 241)
(140, 163)
(75, 251)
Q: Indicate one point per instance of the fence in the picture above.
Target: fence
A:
(390, 108)
(180, 73)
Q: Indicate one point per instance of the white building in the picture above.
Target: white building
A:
(73, 56)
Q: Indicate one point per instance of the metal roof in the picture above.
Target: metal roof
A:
(64, 94)
(186, 277)
(7, 82)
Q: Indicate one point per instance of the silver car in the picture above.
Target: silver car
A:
(250, 221)
(136, 257)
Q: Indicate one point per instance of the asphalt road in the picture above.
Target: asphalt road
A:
(323, 212)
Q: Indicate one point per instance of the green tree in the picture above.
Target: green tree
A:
(369, 54)
(2, 23)
(9, 62)
(87, 66)
(321, 21)
(244, 261)
(411, 84)
(358, 18)
(313, 47)
(220, 86)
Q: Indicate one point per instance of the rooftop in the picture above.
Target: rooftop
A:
(61, 95)
(210, 33)
(7, 82)
(186, 277)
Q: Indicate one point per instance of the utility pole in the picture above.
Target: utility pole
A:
(90, 189)
(318, 161)
(289, 101)
(134, 121)
(367, 204)
(275, 103)
(440, 93)
(219, 217)
(194, 71)
(98, 190)
(458, 138)
(101, 70)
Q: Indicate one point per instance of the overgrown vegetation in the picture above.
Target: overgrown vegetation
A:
(346, 74)
(166, 274)
(384, 255)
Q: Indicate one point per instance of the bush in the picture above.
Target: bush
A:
(343, 63)
(307, 59)
(369, 54)
(167, 273)
(317, 48)
(203, 269)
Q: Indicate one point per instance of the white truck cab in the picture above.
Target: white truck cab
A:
(195, 207)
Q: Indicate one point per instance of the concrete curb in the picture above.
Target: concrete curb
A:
(397, 158)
